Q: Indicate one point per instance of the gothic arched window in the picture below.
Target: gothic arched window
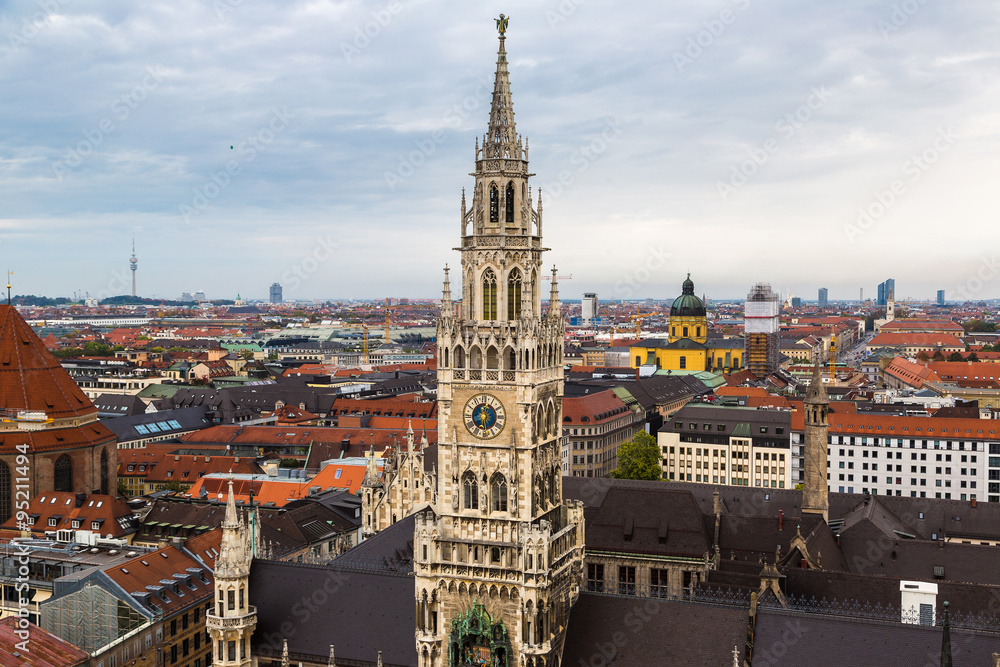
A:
(470, 492)
(498, 490)
(63, 474)
(514, 294)
(5, 505)
(104, 472)
(489, 295)
(494, 204)
(509, 202)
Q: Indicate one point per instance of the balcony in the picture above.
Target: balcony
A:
(213, 622)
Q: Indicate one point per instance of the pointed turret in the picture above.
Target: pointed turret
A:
(501, 135)
(233, 558)
(284, 653)
(446, 307)
(554, 308)
(332, 662)
(946, 657)
(815, 487)
(372, 479)
(409, 437)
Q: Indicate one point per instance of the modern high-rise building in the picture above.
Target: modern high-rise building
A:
(824, 295)
(940, 297)
(588, 309)
(883, 290)
(796, 302)
(498, 560)
(760, 330)
(276, 293)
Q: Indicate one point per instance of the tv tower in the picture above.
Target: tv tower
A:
(134, 264)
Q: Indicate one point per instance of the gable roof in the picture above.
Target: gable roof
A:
(44, 648)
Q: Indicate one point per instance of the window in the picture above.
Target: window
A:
(514, 294)
(63, 474)
(470, 491)
(626, 580)
(595, 577)
(509, 203)
(489, 295)
(498, 488)
(494, 204)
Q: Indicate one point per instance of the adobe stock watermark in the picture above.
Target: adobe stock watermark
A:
(321, 253)
(247, 151)
(426, 146)
(583, 157)
(901, 14)
(785, 127)
(641, 273)
(121, 108)
(33, 24)
(223, 7)
(776, 651)
(636, 619)
(364, 34)
(988, 269)
(314, 602)
(913, 169)
(703, 39)
(120, 283)
(563, 11)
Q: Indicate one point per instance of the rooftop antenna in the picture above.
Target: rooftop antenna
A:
(9, 274)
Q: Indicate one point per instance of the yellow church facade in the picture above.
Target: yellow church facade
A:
(687, 346)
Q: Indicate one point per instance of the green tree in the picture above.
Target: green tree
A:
(979, 325)
(937, 356)
(122, 488)
(923, 356)
(639, 459)
(956, 356)
(972, 357)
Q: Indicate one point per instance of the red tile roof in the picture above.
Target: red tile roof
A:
(592, 408)
(929, 340)
(158, 569)
(160, 465)
(205, 547)
(30, 377)
(965, 370)
(894, 426)
(912, 374)
(907, 324)
(113, 516)
(44, 648)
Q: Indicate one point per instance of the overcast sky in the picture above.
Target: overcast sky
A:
(324, 145)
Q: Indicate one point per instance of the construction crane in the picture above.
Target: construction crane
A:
(364, 345)
(639, 317)
(385, 336)
(26, 420)
(833, 355)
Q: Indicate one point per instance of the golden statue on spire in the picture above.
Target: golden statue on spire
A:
(502, 24)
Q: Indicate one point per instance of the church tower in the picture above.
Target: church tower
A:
(890, 306)
(232, 619)
(815, 486)
(498, 558)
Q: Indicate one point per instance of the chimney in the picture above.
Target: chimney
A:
(973, 502)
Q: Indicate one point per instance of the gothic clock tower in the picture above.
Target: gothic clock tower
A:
(499, 557)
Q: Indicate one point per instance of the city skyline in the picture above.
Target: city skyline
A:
(303, 144)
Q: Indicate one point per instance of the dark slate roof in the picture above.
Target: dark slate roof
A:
(647, 521)
(187, 419)
(815, 640)
(119, 405)
(622, 631)
(391, 550)
(311, 606)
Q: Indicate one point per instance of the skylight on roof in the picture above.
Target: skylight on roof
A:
(141, 429)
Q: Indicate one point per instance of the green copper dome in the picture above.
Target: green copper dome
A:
(687, 304)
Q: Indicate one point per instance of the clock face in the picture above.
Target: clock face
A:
(484, 416)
